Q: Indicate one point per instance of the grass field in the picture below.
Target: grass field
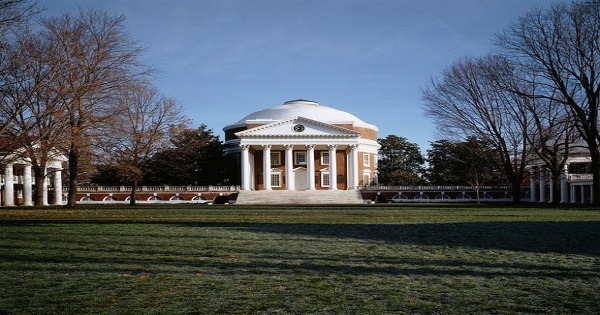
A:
(377, 259)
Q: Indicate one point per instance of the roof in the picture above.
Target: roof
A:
(301, 108)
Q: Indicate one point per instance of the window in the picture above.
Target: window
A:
(325, 179)
(324, 158)
(366, 178)
(275, 158)
(366, 159)
(300, 158)
(275, 179)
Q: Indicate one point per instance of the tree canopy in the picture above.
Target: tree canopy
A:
(400, 162)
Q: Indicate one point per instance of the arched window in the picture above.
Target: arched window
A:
(110, 198)
(199, 198)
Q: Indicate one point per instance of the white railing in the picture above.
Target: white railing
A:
(84, 189)
(432, 188)
(585, 177)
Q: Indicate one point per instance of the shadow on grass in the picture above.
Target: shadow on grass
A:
(577, 237)
(581, 238)
(231, 257)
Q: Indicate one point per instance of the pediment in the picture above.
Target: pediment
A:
(299, 127)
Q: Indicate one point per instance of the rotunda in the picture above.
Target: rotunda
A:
(302, 145)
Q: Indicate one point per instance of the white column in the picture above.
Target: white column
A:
(354, 166)
(9, 188)
(58, 187)
(27, 186)
(266, 167)
(332, 167)
(573, 194)
(532, 185)
(543, 185)
(550, 187)
(290, 183)
(45, 188)
(245, 167)
(564, 186)
(310, 169)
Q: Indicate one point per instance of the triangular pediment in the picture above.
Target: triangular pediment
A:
(299, 127)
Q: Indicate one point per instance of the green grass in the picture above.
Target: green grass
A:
(375, 259)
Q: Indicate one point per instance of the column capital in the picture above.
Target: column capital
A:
(266, 146)
(332, 146)
(289, 146)
(245, 146)
(310, 146)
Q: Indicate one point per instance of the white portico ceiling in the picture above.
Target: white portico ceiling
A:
(301, 108)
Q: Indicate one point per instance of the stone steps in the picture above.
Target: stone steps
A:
(280, 197)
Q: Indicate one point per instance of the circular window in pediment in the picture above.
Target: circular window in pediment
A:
(298, 128)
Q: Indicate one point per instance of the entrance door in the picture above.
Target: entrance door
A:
(301, 182)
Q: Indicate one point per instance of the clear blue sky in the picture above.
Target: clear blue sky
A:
(223, 59)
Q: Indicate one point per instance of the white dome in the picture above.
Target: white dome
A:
(301, 108)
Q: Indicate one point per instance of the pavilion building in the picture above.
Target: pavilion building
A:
(303, 146)
(17, 178)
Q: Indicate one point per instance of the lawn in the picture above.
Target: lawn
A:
(376, 259)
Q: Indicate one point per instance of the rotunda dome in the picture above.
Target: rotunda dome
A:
(301, 108)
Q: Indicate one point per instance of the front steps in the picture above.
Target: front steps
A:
(296, 197)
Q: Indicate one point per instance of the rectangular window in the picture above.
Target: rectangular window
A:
(325, 179)
(366, 159)
(324, 158)
(300, 158)
(275, 158)
(275, 179)
(366, 179)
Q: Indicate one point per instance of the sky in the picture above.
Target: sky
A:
(224, 59)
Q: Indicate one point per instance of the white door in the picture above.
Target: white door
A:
(301, 182)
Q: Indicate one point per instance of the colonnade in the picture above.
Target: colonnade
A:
(26, 181)
(290, 180)
(541, 188)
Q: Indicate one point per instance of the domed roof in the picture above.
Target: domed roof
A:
(301, 108)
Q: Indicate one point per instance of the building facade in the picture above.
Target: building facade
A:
(302, 145)
(573, 185)
(17, 179)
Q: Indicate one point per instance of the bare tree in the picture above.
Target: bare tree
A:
(13, 13)
(94, 56)
(467, 101)
(562, 45)
(39, 115)
(138, 129)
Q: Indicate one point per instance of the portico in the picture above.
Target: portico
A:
(286, 148)
(17, 184)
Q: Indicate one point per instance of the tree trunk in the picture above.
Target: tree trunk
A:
(516, 191)
(134, 186)
(73, 169)
(40, 179)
